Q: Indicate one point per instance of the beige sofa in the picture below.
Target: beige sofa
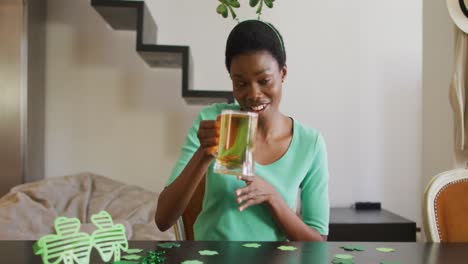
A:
(28, 211)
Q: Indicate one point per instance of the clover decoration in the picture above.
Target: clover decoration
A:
(71, 246)
(227, 6)
(109, 238)
(68, 245)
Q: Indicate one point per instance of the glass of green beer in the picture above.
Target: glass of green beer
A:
(236, 143)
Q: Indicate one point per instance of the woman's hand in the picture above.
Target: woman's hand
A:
(208, 135)
(257, 191)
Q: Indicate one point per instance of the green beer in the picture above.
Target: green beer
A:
(236, 143)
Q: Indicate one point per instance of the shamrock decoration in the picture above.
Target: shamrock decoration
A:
(268, 3)
(71, 246)
(227, 6)
(108, 239)
(68, 245)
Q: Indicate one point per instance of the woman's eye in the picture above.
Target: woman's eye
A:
(241, 84)
(264, 81)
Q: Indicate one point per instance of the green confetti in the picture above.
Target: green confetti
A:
(133, 250)
(131, 257)
(343, 256)
(287, 248)
(353, 248)
(125, 262)
(191, 262)
(385, 249)
(342, 261)
(208, 252)
(252, 245)
(154, 257)
(359, 248)
(348, 248)
(168, 245)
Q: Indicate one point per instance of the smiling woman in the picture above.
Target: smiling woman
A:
(288, 156)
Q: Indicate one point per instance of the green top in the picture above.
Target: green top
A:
(303, 166)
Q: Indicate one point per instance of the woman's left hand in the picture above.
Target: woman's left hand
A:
(257, 191)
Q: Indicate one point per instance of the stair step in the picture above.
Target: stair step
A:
(134, 15)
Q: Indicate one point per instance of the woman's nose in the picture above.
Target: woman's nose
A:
(253, 91)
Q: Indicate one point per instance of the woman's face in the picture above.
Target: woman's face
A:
(257, 82)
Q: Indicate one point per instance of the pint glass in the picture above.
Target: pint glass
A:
(236, 143)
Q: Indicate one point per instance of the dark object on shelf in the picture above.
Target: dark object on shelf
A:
(367, 206)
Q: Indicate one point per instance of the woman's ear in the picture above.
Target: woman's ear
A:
(284, 72)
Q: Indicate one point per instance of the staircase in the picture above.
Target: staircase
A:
(134, 15)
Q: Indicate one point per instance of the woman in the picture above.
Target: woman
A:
(288, 156)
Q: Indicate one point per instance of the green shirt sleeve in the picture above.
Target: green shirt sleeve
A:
(191, 141)
(188, 149)
(314, 194)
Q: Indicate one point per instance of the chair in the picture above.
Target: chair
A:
(445, 207)
(184, 225)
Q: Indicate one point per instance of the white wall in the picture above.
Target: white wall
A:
(106, 111)
(437, 70)
(355, 73)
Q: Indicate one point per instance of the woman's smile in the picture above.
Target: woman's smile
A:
(259, 108)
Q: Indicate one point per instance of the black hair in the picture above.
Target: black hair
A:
(255, 35)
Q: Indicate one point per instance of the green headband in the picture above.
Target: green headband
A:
(227, 6)
(272, 29)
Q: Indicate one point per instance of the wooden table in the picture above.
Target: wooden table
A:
(20, 252)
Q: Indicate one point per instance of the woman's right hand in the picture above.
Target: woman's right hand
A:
(208, 135)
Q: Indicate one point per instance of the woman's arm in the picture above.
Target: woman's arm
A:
(293, 226)
(260, 191)
(174, 198)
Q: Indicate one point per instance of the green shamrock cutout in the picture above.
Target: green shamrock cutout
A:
(108, 239)
(342, 261)
(343, 256)
(192, 261)
(353, 248)
(131, 257)
(287, 248)
(68, 245)
(208, 252)
(168, 245)
(385, 249)
(133, 250)
(252, 245)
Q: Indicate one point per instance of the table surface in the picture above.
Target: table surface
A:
(20, 252)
